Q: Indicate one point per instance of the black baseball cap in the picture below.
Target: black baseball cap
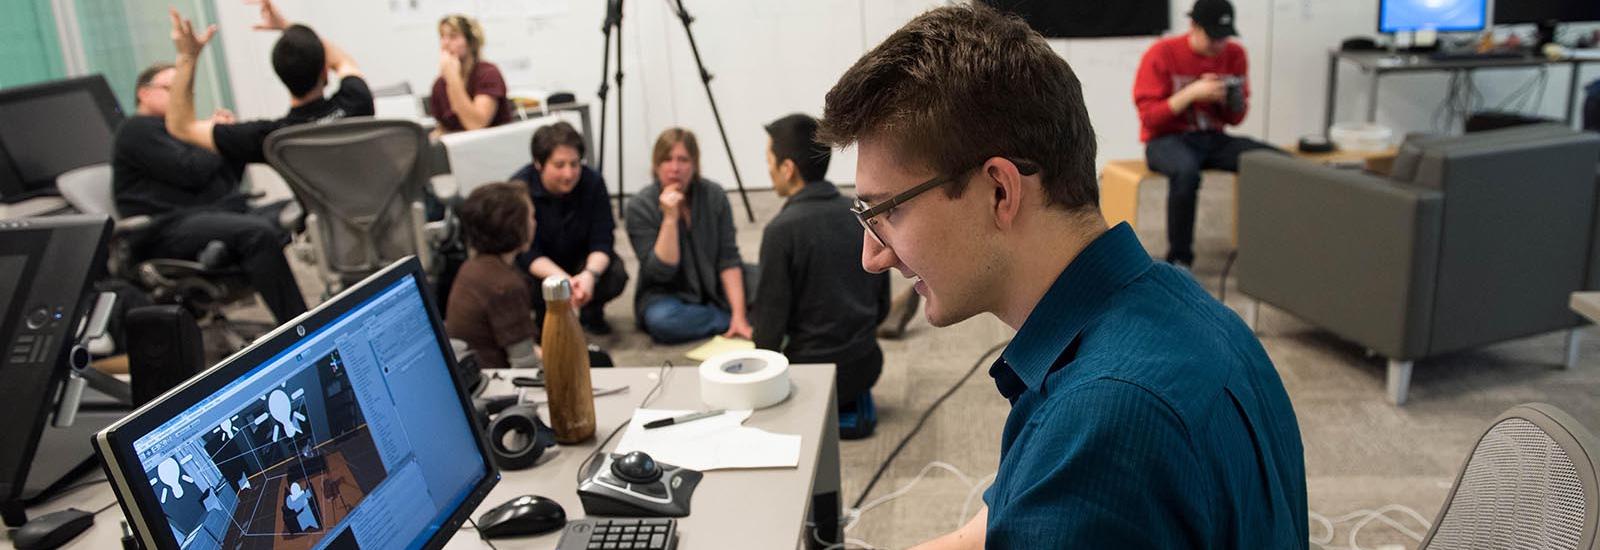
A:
(1215, 17)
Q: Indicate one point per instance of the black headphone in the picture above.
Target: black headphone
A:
(517, 437)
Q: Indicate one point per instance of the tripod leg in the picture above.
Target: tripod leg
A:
(622, 169)
(705, 80)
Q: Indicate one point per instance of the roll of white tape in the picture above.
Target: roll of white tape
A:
(745, 379)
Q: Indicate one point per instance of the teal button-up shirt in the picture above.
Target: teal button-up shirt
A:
(1144, 414)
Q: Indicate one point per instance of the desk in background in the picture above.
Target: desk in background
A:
(1378, 64)
(766, 508)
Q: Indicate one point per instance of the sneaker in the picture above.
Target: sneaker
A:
(860, 420)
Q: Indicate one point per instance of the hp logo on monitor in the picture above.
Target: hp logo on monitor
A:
(300, 331)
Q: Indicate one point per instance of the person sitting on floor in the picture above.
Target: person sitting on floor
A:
(691, 279)
(816, 304)
(577, 233)
(488, 302)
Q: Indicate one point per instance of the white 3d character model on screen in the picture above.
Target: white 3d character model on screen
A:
(169, 474)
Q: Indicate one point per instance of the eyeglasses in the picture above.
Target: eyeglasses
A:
(868, 215)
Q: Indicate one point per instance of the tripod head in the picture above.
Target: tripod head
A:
(613, 15)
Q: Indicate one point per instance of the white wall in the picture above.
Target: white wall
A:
(773, 57)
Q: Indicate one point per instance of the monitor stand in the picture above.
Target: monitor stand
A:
(64, 455)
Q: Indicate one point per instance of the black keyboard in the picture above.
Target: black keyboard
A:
(619, 534)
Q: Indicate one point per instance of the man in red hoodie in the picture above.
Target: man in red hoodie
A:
(1188, 89)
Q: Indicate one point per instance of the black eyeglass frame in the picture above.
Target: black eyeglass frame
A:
(867, 215)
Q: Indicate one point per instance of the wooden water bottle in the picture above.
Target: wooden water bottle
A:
(566, 365)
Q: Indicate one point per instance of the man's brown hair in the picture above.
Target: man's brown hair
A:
(494, 218)
(961, 84)
(670, 138)
(147, 76)
(547, 138)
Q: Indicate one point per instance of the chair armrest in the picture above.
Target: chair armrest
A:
(132, 224)
(1349, 252)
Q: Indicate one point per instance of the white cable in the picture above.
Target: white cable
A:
(1363, 518)
(907, 488)
(966, 504)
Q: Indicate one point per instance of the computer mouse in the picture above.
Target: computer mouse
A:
(524, 515)
(52, 530)
(636, 467)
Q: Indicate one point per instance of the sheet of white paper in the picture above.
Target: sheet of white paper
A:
(715, 443)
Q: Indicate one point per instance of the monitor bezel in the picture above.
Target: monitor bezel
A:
(12, 186)
(1483, 18)
(115, 443)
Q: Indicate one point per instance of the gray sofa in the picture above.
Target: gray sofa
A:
(1471, 240)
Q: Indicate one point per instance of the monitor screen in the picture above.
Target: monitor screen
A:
(353, 436)
(50, 128)
(1438, 15)
(1509, 12)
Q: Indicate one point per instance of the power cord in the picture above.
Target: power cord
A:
(1364, 518)
(661, 377)
(480, 533)
(856, 510)
(924, 420)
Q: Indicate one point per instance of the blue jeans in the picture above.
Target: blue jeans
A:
(670, 320)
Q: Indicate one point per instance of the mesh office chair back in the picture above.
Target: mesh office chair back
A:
(361, 182)
(1529, 483)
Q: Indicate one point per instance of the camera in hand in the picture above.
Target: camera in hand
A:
(1235, 99)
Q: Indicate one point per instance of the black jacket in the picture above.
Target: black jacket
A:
(813, 291)
(570, 227)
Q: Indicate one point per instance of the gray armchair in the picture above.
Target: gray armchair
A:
(1472, 240)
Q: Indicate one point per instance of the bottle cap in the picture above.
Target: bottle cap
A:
(557, 287)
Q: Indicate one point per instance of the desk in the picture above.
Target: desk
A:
(440, 160)
(1378, 64)
(765, 508)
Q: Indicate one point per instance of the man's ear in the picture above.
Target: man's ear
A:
(788, 169)
(1006, 184)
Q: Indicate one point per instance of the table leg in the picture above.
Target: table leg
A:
(1372, 98)
(1572, 93)
(825, 498)
(1329, 94)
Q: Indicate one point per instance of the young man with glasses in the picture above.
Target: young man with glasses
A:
(1144, 413)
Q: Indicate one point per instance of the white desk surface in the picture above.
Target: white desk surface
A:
(764, 508)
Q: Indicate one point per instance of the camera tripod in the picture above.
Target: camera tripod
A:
(613, 25)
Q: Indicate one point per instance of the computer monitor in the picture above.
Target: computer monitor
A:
(1512, 12)
(343, 428)
(47, 267)
(50, 128)
(1439, 15)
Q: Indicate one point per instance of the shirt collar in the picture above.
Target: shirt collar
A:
(814, 191)
(1109, 263)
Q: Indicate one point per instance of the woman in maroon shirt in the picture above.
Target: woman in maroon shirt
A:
(469, 93)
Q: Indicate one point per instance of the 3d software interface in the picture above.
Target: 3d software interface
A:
(352, 438)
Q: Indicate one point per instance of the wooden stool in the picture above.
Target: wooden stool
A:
(1119, 190)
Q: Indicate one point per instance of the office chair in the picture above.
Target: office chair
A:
(361, 182)
(204, 288)
(1529, 483)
